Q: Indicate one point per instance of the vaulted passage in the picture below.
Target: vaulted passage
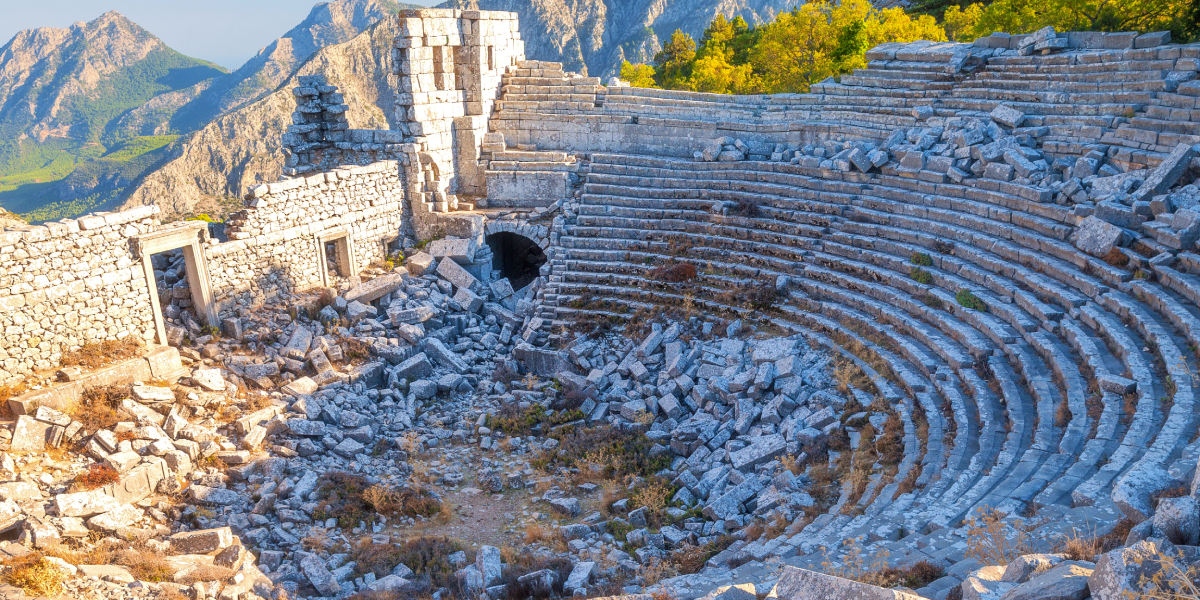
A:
(518, 258)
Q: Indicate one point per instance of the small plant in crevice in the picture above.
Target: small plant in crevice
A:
(966, 299)
(921, 276)
(921, 259)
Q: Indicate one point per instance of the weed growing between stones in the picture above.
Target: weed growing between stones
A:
(921, 259)
(680, 273)
(609, 453)
(968, 300)
(428, 557)
(875, 569)
(921, 276)
(994, 541)
(97, 475)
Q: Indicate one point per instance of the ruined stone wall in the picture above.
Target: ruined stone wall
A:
(68, 283)
(274, 245)
(450, 65)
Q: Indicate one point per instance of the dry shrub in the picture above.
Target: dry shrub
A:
(615, 453)
(97, 475)
(325, 298)
(97, 407)
(206, 573)
(33, 574)
(405, 502)
(357, 350)
(753, 295)
(1062, 416)
(994, 541)
(520, 564)
(754, 531)
(1172, 578)
(94, 355)
(691, 559)
(535, 533)
(680, 273)
(1116, 258)
(790, 463)
(890, 445)
(426, 556)
(657, 570)
(145, 564)
(743, 207)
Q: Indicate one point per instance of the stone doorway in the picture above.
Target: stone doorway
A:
(336, 256)
(174, 264)
(518, 258)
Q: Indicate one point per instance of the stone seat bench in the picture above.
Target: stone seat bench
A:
(1066, 76)
(1154, 143)
(965, 100)
(843, 89)
(870, 81)
(1179, 424)
(1077, 279)
(1053, 97)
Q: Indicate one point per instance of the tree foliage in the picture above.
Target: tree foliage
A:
(1025, 16)
(801, 47)
(824, 38)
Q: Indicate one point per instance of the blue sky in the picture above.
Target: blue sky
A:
(227, 32)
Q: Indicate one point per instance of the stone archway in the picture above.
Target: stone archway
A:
(518, 258)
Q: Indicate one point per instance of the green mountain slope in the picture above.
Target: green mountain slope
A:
(66, 96)
(87, 111)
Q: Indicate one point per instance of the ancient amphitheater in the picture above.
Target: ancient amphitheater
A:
(1000, 236)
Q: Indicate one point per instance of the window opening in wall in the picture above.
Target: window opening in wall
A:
(393, 250)
(518, 258)
(336, 259)
(175, 299)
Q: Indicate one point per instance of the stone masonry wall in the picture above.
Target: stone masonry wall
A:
(450, 65)
(273, 243)
(67, 283)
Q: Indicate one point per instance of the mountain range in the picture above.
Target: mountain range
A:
(104, 115)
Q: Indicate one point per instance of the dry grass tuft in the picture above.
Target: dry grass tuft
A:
(101, 354)
(97, 407)
(33, 574)
(994, 541)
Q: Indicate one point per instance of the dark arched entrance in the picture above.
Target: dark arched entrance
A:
(518, 258)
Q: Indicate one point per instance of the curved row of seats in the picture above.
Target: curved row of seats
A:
(1011, 376)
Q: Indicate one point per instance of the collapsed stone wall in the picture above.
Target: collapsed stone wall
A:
(274, 243)
(66, 283)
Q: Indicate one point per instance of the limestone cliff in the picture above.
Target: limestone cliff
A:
(328, 24)
(209, 170)
(71, 83)
(594, 36)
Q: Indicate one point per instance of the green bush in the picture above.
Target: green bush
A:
(921, 276)
(968, 300)
(922, 259)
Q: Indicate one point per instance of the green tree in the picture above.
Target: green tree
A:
(638, 75)
(673, 64)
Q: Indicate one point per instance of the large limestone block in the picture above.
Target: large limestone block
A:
(1121, 573)
(1067, 581)
(802, 584)
(1135, 489)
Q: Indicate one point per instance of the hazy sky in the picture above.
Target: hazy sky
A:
(227, 32)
